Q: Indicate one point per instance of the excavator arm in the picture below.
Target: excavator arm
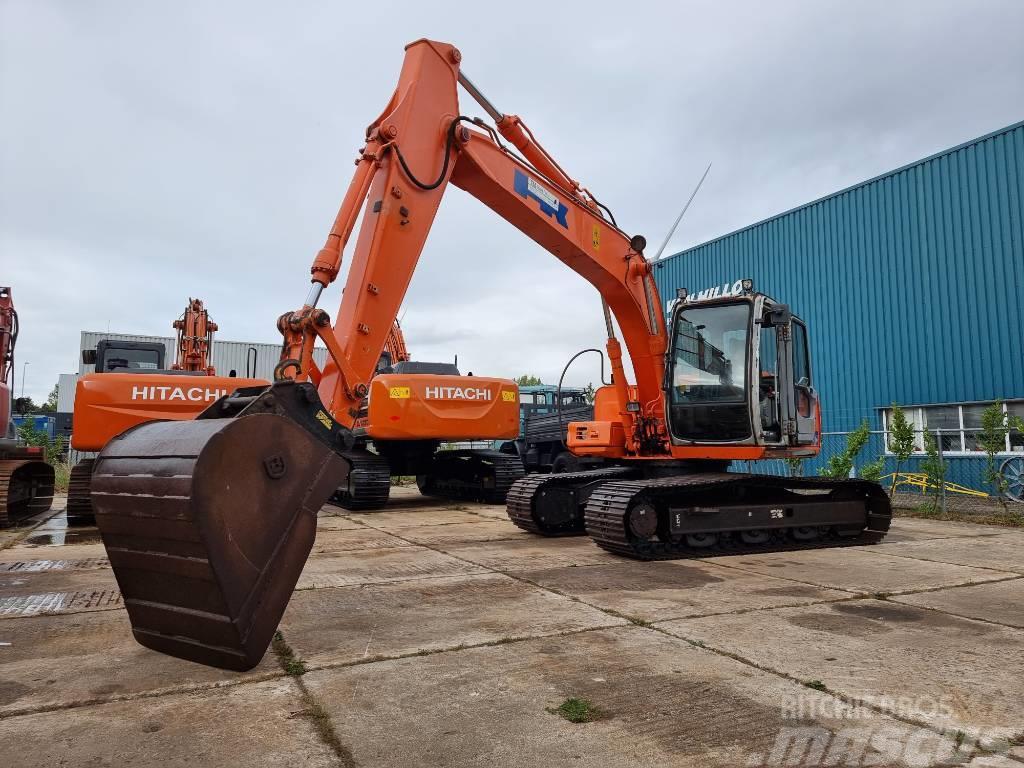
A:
(417, 147)
(195, 339)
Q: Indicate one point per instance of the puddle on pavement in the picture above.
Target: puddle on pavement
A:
(60, 538)
(59, 531)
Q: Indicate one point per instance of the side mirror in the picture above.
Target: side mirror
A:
(778, 315)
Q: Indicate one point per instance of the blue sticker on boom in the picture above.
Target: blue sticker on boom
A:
(549, 204)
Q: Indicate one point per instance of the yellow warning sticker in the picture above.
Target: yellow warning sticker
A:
(508, 397)
(597, 237)
(400, 393)
(324, 419)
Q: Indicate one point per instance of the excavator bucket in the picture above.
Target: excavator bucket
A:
(208, 523)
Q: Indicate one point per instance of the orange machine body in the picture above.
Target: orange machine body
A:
(107, 404)
(419, 144)
(426, 406)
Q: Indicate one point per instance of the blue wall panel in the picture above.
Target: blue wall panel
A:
(912, 283)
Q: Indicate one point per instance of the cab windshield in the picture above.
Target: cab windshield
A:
(709, 354)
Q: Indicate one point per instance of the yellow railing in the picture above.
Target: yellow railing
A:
(921, 482)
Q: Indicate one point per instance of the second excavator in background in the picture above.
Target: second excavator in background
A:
(131, 383)
(26, 480)
(208, 523)
(411, 416)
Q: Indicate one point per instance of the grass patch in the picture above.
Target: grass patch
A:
(881, 595)
(636, 620)
(577, 711)
(403, 480)
(290, 663)
(321, 721)
(61, 476)
(697, 643)
(815, 685)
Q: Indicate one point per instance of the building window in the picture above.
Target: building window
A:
(956, 426)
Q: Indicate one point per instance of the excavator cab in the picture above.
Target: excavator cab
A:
(738, 373)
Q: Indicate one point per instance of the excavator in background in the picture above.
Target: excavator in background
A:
(132, 384)
(195, 339)
(412, 409)
(208, 523)
(26, 480)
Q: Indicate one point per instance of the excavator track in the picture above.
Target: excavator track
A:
(80, 511)
(551, 505)
(26, 489)
(471, 474)
(369, 482)
(709, 514)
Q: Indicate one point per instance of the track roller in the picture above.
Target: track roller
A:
(712, 513)
(79, 507)
(552, 505)
(471, 474)
(369, 482)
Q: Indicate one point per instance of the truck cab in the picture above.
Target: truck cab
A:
(541, 441)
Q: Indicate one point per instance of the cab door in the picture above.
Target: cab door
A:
(803, 388)
(798, 400)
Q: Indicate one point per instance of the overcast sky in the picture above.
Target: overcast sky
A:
(152, 151)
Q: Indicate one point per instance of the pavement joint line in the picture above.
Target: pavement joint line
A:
(852, 701)
(784, 578)
(1008, 576)
(313, 709)
(758, 609)
(52, 614)
(946, 562)
(1013, 627)
(483, 571)
(509, 574)
(361, 584)
(508, 640)
(153, 693)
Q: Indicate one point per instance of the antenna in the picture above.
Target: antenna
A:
(682, 213)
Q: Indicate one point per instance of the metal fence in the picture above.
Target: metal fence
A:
(958, 477)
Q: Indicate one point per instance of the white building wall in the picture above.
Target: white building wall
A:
(226, 355)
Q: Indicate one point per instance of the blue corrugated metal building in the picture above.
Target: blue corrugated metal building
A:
(912, 284)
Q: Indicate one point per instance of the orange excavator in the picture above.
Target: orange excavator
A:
(410, 410)
(132, 384)
(208, 522)
(26, 480)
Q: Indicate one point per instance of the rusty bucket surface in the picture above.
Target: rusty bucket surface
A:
(207, 525)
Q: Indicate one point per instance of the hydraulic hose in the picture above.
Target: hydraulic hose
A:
(558, 392)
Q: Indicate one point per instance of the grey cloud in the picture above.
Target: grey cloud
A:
(149, 152)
